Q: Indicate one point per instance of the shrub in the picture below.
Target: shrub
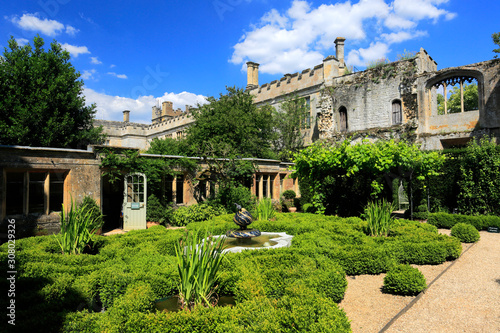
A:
(378, 216)
(447, 221)
(228, 196)
(155, 212)
(421, 212)
(89, 204)
(308, 208)
(465, 232)
(289, 194)
(404, 280)
(195, 213)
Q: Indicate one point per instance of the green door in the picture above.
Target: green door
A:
(134, 202)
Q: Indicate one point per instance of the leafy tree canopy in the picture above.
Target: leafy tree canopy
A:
(231, 125)
(41, 101)
(496, 41)
(288, 121)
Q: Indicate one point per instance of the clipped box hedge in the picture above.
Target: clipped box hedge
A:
(290, 289)
(447, 221)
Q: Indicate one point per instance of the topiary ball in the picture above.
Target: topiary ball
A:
(404, 280)
(465, 232)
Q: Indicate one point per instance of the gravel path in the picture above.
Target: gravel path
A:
(465, 298)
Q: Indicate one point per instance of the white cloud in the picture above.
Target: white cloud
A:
(302, 36)
(421, 9)
(112, 107)
(376, 51)
(71, 30)
(33, 22)
(22, 41)
(75, 50)
(120, 76)
(95, 60)
(112, 66)
(401, 36)
(88, 74)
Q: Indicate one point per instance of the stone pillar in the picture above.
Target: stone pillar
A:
(126, 116)
(261, 186)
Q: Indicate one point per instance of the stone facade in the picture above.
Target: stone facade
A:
(36, 182)
(360, 104)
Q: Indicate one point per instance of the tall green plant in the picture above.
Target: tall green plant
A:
(378, 216)
(198, 262)
(265, 209)
(76, 228)
(480, 178)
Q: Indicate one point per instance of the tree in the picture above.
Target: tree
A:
(453, 104)
(169, 146)
(288, 122)
(231, 126)
(41, 101)
(496, 41)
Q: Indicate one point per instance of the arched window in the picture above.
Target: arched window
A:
(457, 94)
(343, 119)
(397, 117)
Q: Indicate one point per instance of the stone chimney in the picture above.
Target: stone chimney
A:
(252, 75)
(167, 108)
(339, 49)
(187, 108)
(126, 116)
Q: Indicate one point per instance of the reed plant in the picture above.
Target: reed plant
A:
(378, 214)
(198, 262)
(265, 209)
(77, 227)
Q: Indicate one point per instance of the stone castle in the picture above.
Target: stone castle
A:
(398, 99)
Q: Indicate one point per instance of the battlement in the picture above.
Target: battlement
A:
(321, 74)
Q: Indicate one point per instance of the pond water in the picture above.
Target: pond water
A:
(259, 241)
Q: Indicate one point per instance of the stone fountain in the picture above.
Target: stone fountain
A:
(252, 239)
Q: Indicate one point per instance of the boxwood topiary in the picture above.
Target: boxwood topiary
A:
(465, 232)
(404, 280)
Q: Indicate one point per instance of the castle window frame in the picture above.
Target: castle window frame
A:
(397, 112)
(454, 78)
(343, 125)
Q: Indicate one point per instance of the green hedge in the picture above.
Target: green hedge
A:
(404, 280)
(290, 289)
(447, 221)
(465, 232)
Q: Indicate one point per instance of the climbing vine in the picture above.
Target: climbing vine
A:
(344, 176)
(115, 163)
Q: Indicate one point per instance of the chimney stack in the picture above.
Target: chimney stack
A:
(339, 49)
(126, 116)
(167, 108)
(252, 75)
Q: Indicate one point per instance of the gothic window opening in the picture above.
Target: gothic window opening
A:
(343, 119)
(457, 94)
(396, 112)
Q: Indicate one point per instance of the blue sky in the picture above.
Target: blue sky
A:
(134, 54)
